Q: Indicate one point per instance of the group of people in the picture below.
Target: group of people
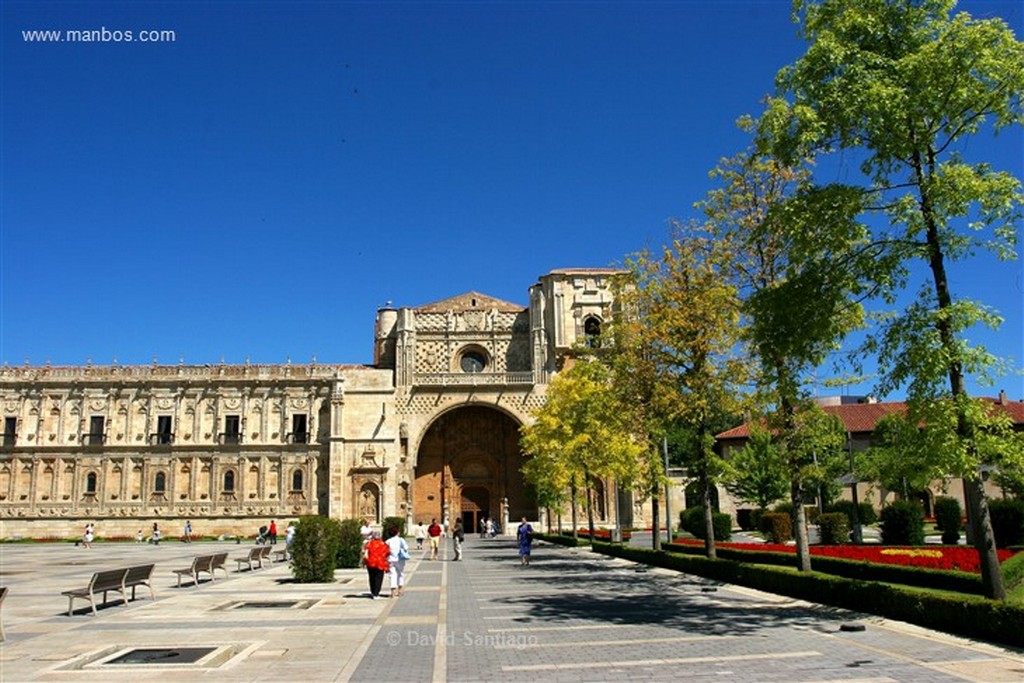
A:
(380, 557)
(488, 529)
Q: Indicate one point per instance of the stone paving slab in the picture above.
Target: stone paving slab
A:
(571, 615)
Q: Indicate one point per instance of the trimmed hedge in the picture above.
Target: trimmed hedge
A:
(314, 549)
(966, 615)
(777, 526)
(692, 520)
(834, 528)
(1007, 521)
(961, 582)
(350, 544)
(562, 539)
(866, 514)
(903, 523)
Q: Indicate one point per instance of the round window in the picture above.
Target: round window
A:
(473, 361)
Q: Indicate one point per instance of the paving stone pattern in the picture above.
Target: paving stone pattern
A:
(571, 615)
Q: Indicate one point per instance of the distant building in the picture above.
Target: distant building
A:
(430, 429)
(859, 415)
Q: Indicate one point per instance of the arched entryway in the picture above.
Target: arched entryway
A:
(469, 467)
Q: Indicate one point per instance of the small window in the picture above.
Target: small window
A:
(229, 481)
(232, 429)
(90, 484)
(95, 437)
(473, 361)
(160, 483)
(10, 430)
(299, 434)
(297, 480)
(592, 332)
(164, 435)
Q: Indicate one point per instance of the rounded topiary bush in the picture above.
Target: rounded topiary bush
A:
(350, 544)
(1007, 521)
(777, 527)
(834, 528)
(692, 520)
(947, 519)
(314, 549)
(903, 523)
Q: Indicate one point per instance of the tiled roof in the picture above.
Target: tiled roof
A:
(862, 417)
(470, 301)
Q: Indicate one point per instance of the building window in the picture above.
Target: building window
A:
(592, 332)
(473, 361)
(10, 431)
(164, 435)
(232, 429)
(229, 481)
(96, 435)
(90, 484)
(160, 483)
(299, 433)
(297, 481)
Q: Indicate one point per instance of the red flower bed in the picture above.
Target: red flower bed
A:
(959, 558)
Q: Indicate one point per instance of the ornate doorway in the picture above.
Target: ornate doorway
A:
(468, 467)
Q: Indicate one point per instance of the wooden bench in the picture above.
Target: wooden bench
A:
(200, 564)
(140, 575)
(280, 555)
(217, 561)
(253, 560)
(101, 582)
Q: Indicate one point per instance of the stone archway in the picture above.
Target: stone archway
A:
(469, 461)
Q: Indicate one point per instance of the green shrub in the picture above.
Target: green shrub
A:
(743, 519)
(834, 528)
(865, 511)
(314, 549)
(1013, 571)
(811, 514)
(564, 538)
(966, 615)
(777, 527)
(903, 523)
(692, 520)
(350, 544)
(1007, 521)
(755, 519)
(947, 514)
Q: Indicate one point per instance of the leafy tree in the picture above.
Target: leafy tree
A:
(675, 349)
(581, 432)
(801, 263)
(905, 84)
(899, 458)
(757, 473)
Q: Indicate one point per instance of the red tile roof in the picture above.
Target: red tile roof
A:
(862, 417)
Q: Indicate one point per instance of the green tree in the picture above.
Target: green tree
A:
(581, 432)
(676, 351)
(899, 458)
(757, 473)
(905, 84)
(802, 264)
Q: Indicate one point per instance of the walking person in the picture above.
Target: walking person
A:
(399, 553)
(375, 557)
(434, 532)
(289, 538)
(458, 538)
(483, 527)
(88, 536)
(272, 532)
(155, 538)
(421, 535)
(188, 531)
(524, 535)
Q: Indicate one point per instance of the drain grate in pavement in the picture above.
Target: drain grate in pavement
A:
(163, 655)
(265, 604)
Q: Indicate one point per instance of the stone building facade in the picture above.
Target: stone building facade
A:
(430, 429)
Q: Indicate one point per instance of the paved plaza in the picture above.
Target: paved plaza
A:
(571, 615)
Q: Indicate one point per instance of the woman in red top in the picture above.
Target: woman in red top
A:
(375, 557)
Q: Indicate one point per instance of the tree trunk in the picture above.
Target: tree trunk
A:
(709, 521)
(655, 521)
(803, 546)
(575, 525)
(590, 513)
(984, 539)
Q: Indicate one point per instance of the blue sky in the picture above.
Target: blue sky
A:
(258, 187)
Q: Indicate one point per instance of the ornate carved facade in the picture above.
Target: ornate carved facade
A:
(429, 430)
